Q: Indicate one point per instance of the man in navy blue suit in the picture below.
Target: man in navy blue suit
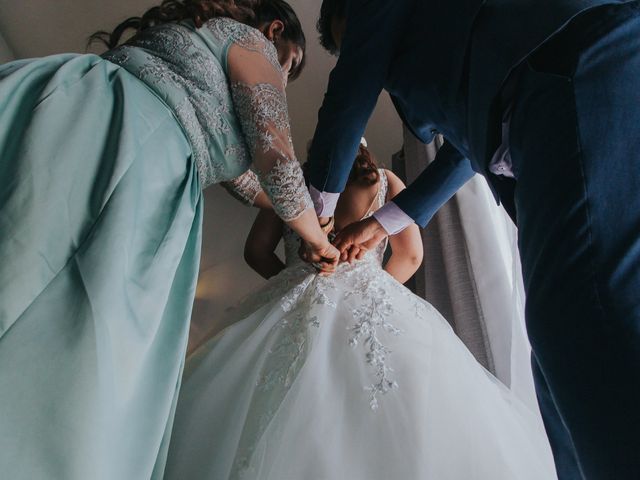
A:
(542, 97)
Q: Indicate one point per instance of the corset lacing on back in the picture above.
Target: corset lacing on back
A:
(292, 240)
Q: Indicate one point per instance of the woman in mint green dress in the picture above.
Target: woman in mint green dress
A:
(102, 165)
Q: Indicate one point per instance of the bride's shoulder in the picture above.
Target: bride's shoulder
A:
(395, 184)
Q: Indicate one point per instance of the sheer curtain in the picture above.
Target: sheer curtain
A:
(471, 273)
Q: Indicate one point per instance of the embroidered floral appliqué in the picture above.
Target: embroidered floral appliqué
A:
(191, 80)
(263, 114)
(246, 37)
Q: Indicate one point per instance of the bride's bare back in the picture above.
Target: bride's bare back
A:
(359, 199)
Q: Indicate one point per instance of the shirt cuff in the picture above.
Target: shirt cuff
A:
(392, 218)
(323, 202)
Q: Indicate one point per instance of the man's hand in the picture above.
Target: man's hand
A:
(325, 257)
(358, 238)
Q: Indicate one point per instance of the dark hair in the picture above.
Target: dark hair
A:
(330, 10)
(254, 13)
(364, 169)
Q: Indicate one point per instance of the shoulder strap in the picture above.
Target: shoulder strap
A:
(383, 191)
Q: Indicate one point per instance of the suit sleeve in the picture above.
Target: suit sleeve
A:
(442, 178)
(374, 29)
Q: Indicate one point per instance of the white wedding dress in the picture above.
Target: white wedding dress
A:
(348, 377)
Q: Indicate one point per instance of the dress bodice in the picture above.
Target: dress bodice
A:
(186, 68)
(292, 240)
(232, 107)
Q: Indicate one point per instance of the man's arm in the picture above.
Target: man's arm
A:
(449, 171)
(442, 178)
(373, 31)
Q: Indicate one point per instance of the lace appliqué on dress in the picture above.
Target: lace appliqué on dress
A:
(262, 111)
(168, 60)
(285, 186)
(285, 358)
(371, 317)
(374, 305)
(300, 291)
(244, 36)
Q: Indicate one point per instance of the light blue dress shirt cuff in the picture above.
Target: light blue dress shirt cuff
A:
(323, 202)
(392, 218)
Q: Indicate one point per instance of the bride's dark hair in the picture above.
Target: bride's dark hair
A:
(255, 13)
(363, 171)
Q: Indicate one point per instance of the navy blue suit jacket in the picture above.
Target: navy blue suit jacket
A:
(444, 63)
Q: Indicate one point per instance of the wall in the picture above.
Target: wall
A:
(42, 27)
(6, 54)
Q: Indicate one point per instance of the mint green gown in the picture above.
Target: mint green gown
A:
(102, 165)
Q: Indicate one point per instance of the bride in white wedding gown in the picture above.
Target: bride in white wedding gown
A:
(346, 377)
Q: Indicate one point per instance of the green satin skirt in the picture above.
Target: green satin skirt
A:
(100, 229)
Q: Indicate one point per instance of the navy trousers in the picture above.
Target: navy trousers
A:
(575, 145)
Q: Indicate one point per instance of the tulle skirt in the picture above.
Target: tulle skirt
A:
(347, 377)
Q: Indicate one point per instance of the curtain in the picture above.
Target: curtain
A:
(471, 273)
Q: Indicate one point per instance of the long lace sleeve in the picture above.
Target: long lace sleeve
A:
(245, 188)
(257, 87)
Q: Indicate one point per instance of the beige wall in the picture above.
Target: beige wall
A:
(6, 54)
(41, 27)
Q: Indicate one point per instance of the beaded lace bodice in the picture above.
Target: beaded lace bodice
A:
(226, 88)
(292, 240)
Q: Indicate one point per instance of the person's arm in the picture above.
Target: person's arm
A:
(263, 239)
(262, 201)
(246, 189)
(406, 246)
(448, 172)
(442, 178)
(257, 88)
(374, 29)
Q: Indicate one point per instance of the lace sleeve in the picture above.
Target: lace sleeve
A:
(245, 188)
(257, 87)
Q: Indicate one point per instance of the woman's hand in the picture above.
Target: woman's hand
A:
(324, 256)
(355, 240)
